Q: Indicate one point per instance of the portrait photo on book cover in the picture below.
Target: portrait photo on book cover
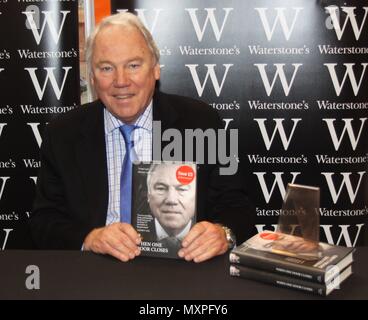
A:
(163, 205)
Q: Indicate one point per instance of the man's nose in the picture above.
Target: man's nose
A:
(121, 78)
(171, 197)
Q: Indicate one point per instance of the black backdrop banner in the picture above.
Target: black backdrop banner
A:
(292, 77)
(39, 78)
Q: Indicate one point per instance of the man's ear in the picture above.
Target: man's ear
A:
(157, 71)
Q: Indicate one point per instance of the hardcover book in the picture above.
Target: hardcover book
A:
(281, 280)
(268, 251)
(163, 205)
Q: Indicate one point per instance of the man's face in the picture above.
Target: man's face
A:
(171, 202)
(124, 71)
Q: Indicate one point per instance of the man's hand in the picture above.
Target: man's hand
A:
(118, 239)
(204, 241)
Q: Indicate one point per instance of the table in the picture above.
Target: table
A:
(85, 275)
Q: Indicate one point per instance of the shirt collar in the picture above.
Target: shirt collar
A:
(161, 233)
(144, 121)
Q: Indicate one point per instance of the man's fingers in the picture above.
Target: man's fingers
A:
(206, 241)
(209, 248)
(198, 248)
(121, 254)
(201, 241)
(208, 254)
(118, 239)
(130, 232)
(122, 242)
(211, 251)
(118, 249)
(194, 233)
(126, 236)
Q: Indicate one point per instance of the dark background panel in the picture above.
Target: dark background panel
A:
(23, 111)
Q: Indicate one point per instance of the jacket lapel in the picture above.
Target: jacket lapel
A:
(91, 159)
(166, 114)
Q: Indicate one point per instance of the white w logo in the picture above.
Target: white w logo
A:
(50, 76)
(348, 73)
(347, 127)
(49, 20)
(350, 15)
(36, 132)
(211, 18)
(344, 234)
(277, 180)
(2, 125)
(210, 73)
(34, 179)
(345, 181)
(7, 232)
(278, 128)
(3, 182)
(1, 70)
(280, 17)
(141, 14)
(280, 73)
(227, 122)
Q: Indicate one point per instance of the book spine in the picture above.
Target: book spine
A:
(277, 279)
(278, 266)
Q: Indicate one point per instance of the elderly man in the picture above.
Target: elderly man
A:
(83, 188)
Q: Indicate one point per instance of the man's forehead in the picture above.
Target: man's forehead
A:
(117, 28)
(121, 41)
(167, 180)
(119, 31)
(163, 176)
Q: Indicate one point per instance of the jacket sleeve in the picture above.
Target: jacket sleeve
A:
(52, 224)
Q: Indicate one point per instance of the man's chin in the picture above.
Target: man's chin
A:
(172, 227)
(126, 117)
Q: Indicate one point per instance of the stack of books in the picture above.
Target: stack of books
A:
(292, 265)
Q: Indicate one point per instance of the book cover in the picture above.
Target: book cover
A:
(269, 251)
(322, 289)
(163, 205)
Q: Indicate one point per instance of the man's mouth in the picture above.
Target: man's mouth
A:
(170, 212)
(123, 96)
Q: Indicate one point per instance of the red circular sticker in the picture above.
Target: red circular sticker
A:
(185, 174)
(269, 236)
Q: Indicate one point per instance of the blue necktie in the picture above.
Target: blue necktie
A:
(126, 174)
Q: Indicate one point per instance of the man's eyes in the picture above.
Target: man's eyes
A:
(182, 189)
(160, 188)
(105, 68)
(131, 66)
(134, 66)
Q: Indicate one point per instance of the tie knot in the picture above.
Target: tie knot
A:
(126, 130)
(171, 241)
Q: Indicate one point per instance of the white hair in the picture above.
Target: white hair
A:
(124, 19)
